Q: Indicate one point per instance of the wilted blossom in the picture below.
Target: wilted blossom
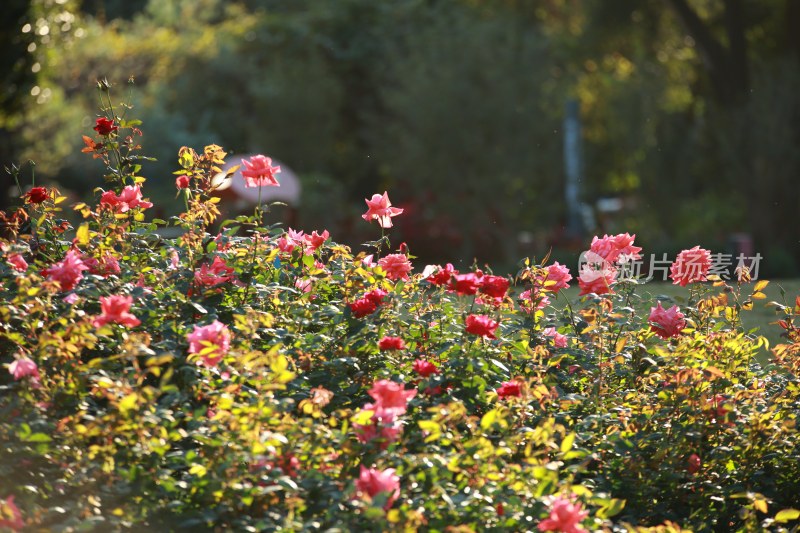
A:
(380, 208)
(397, 266)
(690, 266)
(68, 272)
(441, 276)
(559, 340)
(565, 516)
(211, 342)
(595, 281)
(694, 463)
(372, 482)
(258, 172)
(36, 195)
(425, 368)
(481, 325)
(391, 395)
(214, 274)
(383, 426)
(391, 343)
(23, 368)
(666, 323)
(509, 389)
(130, 198)
(611, 248)
(115, 310)
(10, 515)
(17, 262)
(556, 277)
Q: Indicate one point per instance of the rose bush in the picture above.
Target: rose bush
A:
(232, 381)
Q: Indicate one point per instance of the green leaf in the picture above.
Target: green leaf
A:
(612, 508)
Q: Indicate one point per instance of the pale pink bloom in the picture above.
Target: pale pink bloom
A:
(481, 325)
(559, 340)
(565, 516)
(130, 198)
(68, 272)
(372, 482)
(397, 266)
(611, 247)
(383, 426)
(666, 323)
(71, 298)
(17, 262)
(290, 240)
(10, 515)
(596, 281)
(174, 260)
(560, 275)
(368, 261)
(390, 395)
(316, 240)
(211, 342)
(258, 172)
(214, 274)
(115, 309)
(380, 208)
(391, 343)
(534, 296)
(690, 266)
(303, 284)
(22, 368)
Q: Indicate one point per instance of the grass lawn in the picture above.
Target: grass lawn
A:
(761, 316)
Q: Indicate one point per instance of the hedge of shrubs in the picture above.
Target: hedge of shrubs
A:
(270, 379)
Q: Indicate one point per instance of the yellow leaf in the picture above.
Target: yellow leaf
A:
(760, 285)
(759, 295)
(198, 470)
(128, 402)
(83, 234)
(566, 444)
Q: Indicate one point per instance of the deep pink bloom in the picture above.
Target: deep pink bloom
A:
(466, 284)
(17, 262)
(611, 248)
(509, 389)
(22, 368)
(694, 463)
(10, 515)
(372, 482)
(391, 395)
(68, 272)
(383, 426)
(481, 325)
(115, 310)
(105, 126)
(494, 286)
(391, 343)
(559, 340)
(442, 275)
(211, 342)
(565, 516)
(363, 307)
(315, 240)
(290, 240)
(130, 198)
(258, 172)
(182, 182)
(397, 266)
(690, 266)
(376, 296)
(380, 208)
(36, 195)
(595, 281)
(666, 323)
(425, 368)
(107, 265)
(214, 274)
(560, 275)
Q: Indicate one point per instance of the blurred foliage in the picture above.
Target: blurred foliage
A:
(690, 109)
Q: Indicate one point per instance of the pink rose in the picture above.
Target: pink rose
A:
(509, 389)
(211, 342)
(559, 340)
(391, 343)
(424, 368)
(380, 208)
(259, 172)
(214, 274)
(596, 281)
(666, 323)
(315, 240)
(390, 395)
(17, 262)
(115, 310)
(610, 248)
(129, 198)
(23, 368)
(565, 516)
(560, 275)
(481, 325)
(397, 266)
(534, 299)
(466, 284)
(690, 266)
(383, 427)
(10, 515)
(68, 272)
(372, 482)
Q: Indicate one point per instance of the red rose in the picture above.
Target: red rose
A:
(182, 182)
(481, 325)
(105, 126)
(36, 195)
